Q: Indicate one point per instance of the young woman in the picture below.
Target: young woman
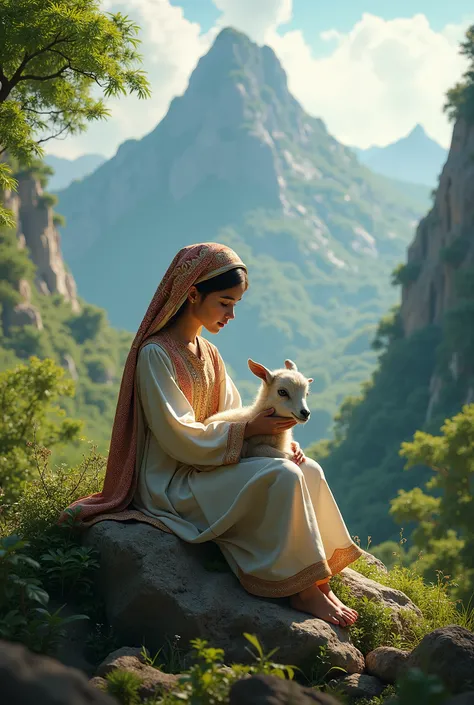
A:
(275, 520)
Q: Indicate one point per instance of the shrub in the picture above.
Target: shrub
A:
(406, 274)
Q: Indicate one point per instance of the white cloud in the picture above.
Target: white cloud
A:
(381, 78)
(257, 18)
(171, 46)
(374, 84)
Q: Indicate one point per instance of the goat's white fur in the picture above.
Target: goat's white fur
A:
(296, 385)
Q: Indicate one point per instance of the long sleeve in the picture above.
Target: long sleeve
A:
(229, 397)
(171, 419)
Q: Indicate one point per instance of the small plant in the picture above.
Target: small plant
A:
(208, 681)
(124, 686)
(23, 613)
(71, 568)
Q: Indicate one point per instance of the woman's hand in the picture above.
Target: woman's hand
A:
(264, 424)
(298, 457)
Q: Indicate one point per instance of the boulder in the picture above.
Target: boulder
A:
(448, 653)
(358, 685)
(461, 699)
(131, 659)
(386, 663)
(30, 679)
(268, 690)
(395, 600)
(156, 586)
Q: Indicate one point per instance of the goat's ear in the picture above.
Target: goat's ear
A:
(260, 371)
(310, 380)
(290, 365)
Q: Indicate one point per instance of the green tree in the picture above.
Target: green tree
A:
(30, 411)
(54, 56)
(444, 514)
(460, 103)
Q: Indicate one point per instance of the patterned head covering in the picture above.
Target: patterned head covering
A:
(192, 265)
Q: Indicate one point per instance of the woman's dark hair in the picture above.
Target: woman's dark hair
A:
(227, 280)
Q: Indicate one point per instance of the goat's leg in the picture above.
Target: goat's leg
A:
(267, 451)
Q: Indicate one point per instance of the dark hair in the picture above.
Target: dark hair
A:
(227, 280)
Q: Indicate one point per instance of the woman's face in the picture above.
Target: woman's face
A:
(215, 310)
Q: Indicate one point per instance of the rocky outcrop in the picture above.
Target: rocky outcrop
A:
(30, 679)
(395, 600)
(268, 690)
(444, 239)
(37, 231)
(153, 681)
(448, 653)
(156, 586)
(443, 245)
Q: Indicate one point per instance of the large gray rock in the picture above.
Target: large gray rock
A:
(395, 600)
(447, 652)
(29, 679)
(386, 663)
(268, 690)
(156, 586)
(358, 685)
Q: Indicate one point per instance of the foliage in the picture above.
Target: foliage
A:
(455, 253)
(23, 601)
(44, 496)
(207, 682)
(7, 183)
(388, 330)
(30, 412)
(124, 686)
(405, 274)
(434, 600)
(54, 57)
(14, 266)
(460, 98)
(443, 514)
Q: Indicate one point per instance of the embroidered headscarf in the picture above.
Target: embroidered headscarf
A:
(192, 265)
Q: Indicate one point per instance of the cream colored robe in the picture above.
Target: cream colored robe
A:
(277, 524)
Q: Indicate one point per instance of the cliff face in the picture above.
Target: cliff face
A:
(442, 249)
(444, 240)
(36, 231)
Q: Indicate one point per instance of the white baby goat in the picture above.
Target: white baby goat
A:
(285, 391)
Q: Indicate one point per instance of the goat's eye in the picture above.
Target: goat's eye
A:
(283, 393)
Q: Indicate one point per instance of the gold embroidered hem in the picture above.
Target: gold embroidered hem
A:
(235, 442)
(318, 572)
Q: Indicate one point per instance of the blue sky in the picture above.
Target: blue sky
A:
(371, 69)
(313, 16)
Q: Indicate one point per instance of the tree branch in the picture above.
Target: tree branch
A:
(28, 57)
(57, 134)
(31, 77)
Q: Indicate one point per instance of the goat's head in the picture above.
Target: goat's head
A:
(284, 390)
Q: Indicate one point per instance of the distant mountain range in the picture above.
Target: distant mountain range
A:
(237, 160)
(416, 158)
(67, 170)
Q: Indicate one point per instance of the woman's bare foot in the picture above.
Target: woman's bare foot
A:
(315, 602)
(349, 614)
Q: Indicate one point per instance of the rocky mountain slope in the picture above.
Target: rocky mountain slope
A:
(426, 368)
(41, 313)
(416, 157)
(236, 159)
(67, 170)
